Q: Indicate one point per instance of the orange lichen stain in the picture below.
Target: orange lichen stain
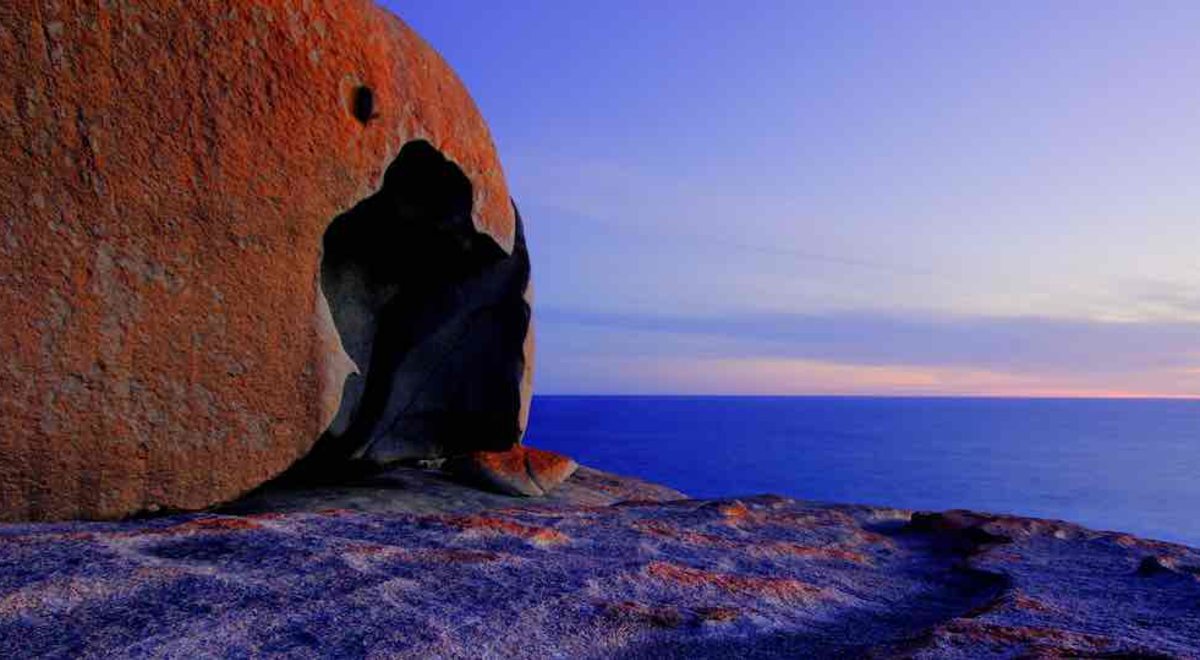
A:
(734, 509)
(547, 464)
(813, 520)
(334, 512)
(230, 524)
(1023, 602)
(1127, 541)
(518, 511)
(717, 614)
(267, 516)
(1012, 600)
(733, 513)
(685, 536)
(866, 537)
(807, 552)
(807, 520)
(498, 526)
(510, 463)
(787, 589)
(369, 549)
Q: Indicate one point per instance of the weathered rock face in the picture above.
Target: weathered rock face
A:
(213, 216)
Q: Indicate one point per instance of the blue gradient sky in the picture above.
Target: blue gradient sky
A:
(849, 197)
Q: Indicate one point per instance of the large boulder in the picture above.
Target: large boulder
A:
(230, 230)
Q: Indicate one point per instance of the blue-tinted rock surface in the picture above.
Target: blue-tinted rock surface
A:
(606, 567)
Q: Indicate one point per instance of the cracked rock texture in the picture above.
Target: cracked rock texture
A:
(168, 172)
(605, 567)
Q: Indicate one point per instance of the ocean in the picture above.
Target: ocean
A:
(1127, 465)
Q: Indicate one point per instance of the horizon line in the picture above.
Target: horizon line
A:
(1025, 397)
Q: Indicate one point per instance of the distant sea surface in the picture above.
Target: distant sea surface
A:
(1126, 465)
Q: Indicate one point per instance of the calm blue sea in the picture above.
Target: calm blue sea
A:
(1124, 465)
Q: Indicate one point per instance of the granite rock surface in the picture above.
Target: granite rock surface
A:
(229, 229)
(604, 567)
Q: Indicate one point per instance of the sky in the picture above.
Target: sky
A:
(853, 197)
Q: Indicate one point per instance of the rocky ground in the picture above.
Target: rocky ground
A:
(413, 565)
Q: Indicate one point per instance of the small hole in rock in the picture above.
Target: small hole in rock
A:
(364, 104)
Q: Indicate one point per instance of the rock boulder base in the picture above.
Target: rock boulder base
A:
(520, 471)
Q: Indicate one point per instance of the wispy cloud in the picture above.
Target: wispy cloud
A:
(951, 353)
(618, 197)
(709, 238)
(774, 376)
(1172, 299)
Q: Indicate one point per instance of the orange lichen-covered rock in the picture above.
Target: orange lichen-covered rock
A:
(548, 469)
(768, 587)
(221, 524)
(520, 471)
(214, 218)
(502, 527)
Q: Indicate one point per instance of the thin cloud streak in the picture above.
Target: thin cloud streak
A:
(784, 376)
(723, 243)
(1028, 345)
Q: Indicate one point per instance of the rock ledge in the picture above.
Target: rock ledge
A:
(412, 564)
